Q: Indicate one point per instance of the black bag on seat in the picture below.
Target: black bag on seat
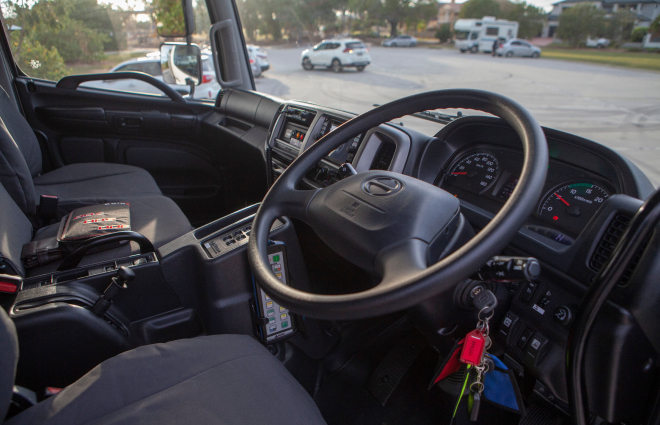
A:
(81, 224)
(88, 222)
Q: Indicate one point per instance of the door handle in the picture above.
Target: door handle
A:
(128, 122)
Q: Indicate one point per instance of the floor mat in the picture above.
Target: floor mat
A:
(344, 398)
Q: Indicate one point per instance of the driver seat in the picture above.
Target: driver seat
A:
(219, 379)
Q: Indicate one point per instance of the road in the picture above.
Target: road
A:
(617, 107)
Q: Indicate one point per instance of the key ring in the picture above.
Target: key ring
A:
(486, 319)
(477, 384)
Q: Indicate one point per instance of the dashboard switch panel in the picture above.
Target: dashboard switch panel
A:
(507, 328)
(228, 241)
(524, 338)
(535, 349)
(528, 291)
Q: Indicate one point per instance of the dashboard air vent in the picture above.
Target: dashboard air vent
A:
(605, 247)
(384, 155)
(218, 99)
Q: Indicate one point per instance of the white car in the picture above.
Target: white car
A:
(598, 43)
(337, 54)
(400, 41)
(260, 55)
(150, 64)
(518, 47)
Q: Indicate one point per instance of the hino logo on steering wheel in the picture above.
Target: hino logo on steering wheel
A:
(382, 186)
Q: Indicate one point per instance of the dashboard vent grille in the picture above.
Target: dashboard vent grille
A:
(384, 156)
(605, 247)
(218, 99)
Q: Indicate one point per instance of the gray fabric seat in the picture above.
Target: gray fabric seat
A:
(21, 170)
(156, 217)
(220, 379)
(78, 182)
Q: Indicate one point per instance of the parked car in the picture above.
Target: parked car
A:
(400, 41)
(261, 56)
(254, 64)
(518, 47)
(150, 64)
(598, 43)
(336, 55)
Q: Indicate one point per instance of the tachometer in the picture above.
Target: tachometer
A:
(475, 172)
(571, 206)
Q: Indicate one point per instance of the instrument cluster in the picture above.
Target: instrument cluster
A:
(487, 176)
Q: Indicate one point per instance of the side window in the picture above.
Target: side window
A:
(515, 43)
(492, 31)
(474, 36)
(51, 39)
(320, 47)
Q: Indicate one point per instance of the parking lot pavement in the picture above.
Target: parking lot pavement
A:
(617, 107)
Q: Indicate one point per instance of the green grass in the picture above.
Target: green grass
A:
(650, 61)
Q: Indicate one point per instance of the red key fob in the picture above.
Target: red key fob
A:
(473, 348)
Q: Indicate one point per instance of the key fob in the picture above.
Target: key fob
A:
(473, 348)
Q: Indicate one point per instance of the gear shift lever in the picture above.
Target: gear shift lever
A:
(124, 275)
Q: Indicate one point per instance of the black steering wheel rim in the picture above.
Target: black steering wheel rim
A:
(419, 284)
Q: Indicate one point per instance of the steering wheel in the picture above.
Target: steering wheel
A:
(392, 224)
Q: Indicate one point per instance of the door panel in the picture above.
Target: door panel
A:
(150, 132)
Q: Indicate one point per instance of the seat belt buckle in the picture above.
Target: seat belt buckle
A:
(10, 284)
(48, 205)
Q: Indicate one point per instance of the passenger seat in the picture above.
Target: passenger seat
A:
(75, 185)
(153, 215)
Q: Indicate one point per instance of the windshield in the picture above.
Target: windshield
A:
(606, 94)
(461, 35)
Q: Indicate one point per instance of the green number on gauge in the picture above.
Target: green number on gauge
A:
(476, 172)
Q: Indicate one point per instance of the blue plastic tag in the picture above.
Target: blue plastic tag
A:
(499, 387)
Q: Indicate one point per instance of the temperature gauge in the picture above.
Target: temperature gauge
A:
(476, 172)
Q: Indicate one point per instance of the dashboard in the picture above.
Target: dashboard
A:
(589, 196)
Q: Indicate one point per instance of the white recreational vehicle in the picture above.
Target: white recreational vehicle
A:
(479, 34)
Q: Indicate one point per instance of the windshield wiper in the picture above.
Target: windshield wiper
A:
(434, 116)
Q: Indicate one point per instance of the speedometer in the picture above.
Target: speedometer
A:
(571, 206)
(475, 172)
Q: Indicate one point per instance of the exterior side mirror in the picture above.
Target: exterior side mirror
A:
(181, 64)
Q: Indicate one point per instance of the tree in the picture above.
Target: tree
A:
(618, 26)
(395, 12)
(530, 19)
(169, 17)
(477, 9)
(638, 34)
(579, 22)
(655, 26)
(36, 60)
(443, 33)
(50, 24)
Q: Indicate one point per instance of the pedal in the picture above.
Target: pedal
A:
(392, 368)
